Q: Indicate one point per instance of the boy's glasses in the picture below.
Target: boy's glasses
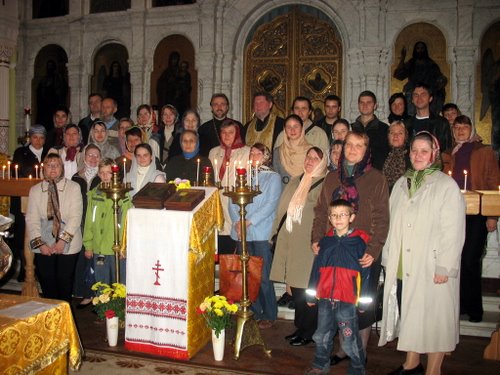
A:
(340, 216)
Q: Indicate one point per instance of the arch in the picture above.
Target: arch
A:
(49, 86)
(174, 77)
(110, 75)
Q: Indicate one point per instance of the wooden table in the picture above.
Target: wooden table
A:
(37, 335)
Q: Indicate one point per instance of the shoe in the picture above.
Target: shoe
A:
(315, 371)
(475, 319)
(291, 337)
(85, 303)
(299, 341)
(265, 324)
(419, 370)
(284, 299)
(335, 360)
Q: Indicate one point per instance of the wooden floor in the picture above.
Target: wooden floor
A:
(467, 358)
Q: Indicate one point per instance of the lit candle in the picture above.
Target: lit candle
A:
(124, 170)
(36, 172)
(8, 169)
(465, 180)
(257, 173)
(216, 171)
(30, 177)
(449, 173)
(41, 170)
(27, 120)
(16, 167)
(3, 174)
(249, 168)
(198, 172)
(227, 174)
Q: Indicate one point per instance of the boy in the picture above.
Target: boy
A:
(335, 285)
(98, 235)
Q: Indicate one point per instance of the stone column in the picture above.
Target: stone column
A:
(6, 50)
(465, 73)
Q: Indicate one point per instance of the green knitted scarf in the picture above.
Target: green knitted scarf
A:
(416, 178)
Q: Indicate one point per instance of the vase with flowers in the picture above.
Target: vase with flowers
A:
(217, 311)
(109, 304)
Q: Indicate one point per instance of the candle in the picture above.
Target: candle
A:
(257, 174)
(41, 170)
(198, 172)
(27, 121)
(234, 173)
(8, 169)
(227, 174)
(449, 173)
(124, 170)
(465, 180)
(249, 168)
(216, 171)
(30, 177)
(3, 174)
(36, 172)
(16, 167)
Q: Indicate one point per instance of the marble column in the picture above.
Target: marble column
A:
(6, 51)
(465, 73)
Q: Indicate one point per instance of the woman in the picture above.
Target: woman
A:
(366, 189)
(340, 128)
(143, 169)
(53, 223)
(422, 260)
(146, 120)
(61, 118)
(288, 158)
(480, 162)
(100, 137)
(231, 152)
(398, 108)
(87, 179)
(293, 258)
(398, 159)
(259, 219)
(190, 164)
(335, 152)
(70, 152)
(125, 124)
(168, 126)
(190, 121)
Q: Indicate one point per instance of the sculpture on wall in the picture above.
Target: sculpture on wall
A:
(490, 89)
(116, 85)
(51, 93)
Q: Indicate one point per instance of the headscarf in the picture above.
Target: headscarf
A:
(473, 136)
(293, 153)
(238, 143)
(347, 189)
(395, 163)
(53, 208)
(72, 150)
(415, 178)
(296, 205)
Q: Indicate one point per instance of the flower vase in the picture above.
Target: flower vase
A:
(112, 330)
(218, 344)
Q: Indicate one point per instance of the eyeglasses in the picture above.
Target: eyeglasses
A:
(339, 216)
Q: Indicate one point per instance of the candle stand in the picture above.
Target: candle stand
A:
(116, 190)
(247, 331)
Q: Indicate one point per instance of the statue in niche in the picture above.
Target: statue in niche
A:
(174, 85)
(421, 69)
(490, 90)
(116, 85)
(270, 82)
(318, 83)
(51, 92)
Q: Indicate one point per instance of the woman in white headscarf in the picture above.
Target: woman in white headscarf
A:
(143, 169)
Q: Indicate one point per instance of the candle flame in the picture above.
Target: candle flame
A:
(465, 172)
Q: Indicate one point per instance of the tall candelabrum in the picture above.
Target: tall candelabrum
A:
(116, 191)
(247, 331)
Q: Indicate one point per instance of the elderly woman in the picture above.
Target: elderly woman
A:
(100, 137)
(169, 117)
(422, 260)
(190, 162)
(231, 152)
(259, 219)
(398, 159)
(53, 223)
(366, 189)
(288, 158)
(190, 121)
(480, 162)
(293, 258)
(143, 169)
(70, 152)
(146, 120)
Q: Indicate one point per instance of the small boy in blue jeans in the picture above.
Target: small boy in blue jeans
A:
(337, 283)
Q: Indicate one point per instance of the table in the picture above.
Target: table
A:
(170, 270)
(37, 335)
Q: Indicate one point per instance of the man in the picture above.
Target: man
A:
(209, 131)
(133, 137)
(376, 130)
(27, 157)
(108, 109)
(425, 119)
(265, 126)
(450, 112)
(332, 106)
(316, 136)
(94, 101)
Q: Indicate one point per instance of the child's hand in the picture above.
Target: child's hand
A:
(89, 254)
(315, 248)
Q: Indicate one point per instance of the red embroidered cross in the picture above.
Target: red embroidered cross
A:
(157, 273)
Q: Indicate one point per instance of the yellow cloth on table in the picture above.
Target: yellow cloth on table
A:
(33, 341)
(4, 201)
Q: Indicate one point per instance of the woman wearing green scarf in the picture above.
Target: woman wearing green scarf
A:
(422, 260)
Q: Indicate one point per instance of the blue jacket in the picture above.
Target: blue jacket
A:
(263, 209)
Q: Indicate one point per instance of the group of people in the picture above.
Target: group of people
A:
(325, 203)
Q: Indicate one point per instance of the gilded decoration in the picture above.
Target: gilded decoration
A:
(294, 54)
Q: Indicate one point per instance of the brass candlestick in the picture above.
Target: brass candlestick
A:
(116, 190)
(247, 332)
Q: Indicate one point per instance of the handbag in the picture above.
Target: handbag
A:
(231, 280)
